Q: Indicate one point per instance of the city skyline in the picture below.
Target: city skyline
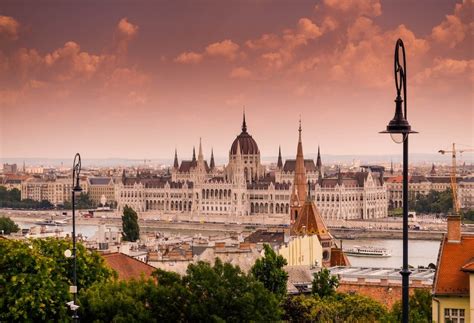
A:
(138, 82)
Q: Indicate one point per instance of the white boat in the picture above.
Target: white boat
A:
(367, 251)
(51, 222)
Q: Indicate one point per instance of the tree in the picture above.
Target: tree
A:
(339, 307)
(420, 308)
(131, 230)
(35, 278)
(117, 301)
(7, 226)
(324, 284)
(206, 293)
(223, 292)
(269, 270)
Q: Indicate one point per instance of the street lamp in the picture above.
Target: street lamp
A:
(399, 129)
(76, 170)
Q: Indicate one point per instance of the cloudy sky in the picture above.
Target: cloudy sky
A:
(136, 79)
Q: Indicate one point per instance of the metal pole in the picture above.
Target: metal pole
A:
(74, 315)
(405, 272)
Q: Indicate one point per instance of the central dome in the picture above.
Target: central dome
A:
(248, 146)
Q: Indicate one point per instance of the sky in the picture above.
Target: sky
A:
(137, 79)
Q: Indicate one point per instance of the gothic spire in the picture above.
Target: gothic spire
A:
(244, 124)
(391, 167)
(200, 155)
(319, 164)
(176, 164)
(299, 182)
(212, 164)
(194, 154)
(280, 161)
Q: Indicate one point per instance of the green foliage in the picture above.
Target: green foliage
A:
(7, 226)
(35, 278)
(468, 215)
(12, 199)
(339, 307)
(83, 201)
(205, 294)
(269, 270)
(324, 284)
(420, 308)
(131, 230)
(223, 292)
(117, 301)
(433, 202)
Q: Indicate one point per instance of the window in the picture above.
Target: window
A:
(454, 315)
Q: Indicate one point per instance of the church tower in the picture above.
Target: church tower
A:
(280, 161)
(298, 194)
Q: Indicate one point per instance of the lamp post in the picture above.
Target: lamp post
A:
(399, 129)
(76, 170)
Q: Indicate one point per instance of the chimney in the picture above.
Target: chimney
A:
(454, 228)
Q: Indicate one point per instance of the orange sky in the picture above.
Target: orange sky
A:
(109, 79)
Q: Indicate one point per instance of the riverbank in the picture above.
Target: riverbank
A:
(349, 234)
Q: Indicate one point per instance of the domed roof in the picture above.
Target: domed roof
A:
(248, 146)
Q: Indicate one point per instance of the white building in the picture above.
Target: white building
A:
(246, 192)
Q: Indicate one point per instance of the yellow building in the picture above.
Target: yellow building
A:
(99, 187)
(303, 250)
(453, 290)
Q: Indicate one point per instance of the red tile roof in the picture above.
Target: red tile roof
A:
(469, 266)
(127, 267)
(454, 260)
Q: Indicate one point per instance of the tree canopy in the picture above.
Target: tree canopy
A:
(35, 277)
(324, 284)
(7, 226)
(130, 228)
(433, 202)
(206, 293)
(269, 270)
(420, 308)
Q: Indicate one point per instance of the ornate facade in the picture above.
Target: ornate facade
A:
(245, 188)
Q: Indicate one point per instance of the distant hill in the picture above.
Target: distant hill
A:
(327, 159)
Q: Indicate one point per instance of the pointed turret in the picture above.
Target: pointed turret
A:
(391, 167)
(299, 182)
(339, 176)
(244, 124)
(200, 155)
(433, 169)
(194, 155)
(175, 164)
(319, 164)
(298, 195)
(212, 163)
(280, 161)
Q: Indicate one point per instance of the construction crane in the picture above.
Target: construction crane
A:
(454, 184)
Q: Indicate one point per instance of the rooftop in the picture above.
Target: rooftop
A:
(127, 267)
(455, 260)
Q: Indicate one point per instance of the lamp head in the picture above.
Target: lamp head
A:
(398, 127)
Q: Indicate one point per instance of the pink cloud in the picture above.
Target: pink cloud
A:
(9, 28)
(189, 58)
(240, 73)
(457, 28)
(226, 48)
(266, 41)
(371, 8)
(126, 31)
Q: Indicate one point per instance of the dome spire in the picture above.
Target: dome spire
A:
(299, 130)
(176, 164)
(244, 124)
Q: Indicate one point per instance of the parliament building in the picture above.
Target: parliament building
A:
(246, 191)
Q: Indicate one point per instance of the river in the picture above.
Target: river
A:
(421, 252)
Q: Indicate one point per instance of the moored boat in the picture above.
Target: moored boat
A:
(367, 251)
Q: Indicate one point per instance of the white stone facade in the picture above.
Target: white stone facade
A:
(245, 190)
